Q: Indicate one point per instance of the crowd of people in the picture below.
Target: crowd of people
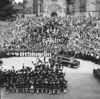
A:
(45, 78)
(29, 36)
(74, 33)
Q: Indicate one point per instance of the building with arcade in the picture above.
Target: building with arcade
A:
(62, 7)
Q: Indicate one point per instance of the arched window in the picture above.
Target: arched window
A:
(54, 8)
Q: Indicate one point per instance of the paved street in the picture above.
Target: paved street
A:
(81, 82)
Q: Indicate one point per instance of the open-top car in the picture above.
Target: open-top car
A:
(96, 73)
(66, 59)
(1, 62)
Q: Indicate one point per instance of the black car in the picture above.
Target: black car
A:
(1, 62)
(66, 59)
(96, 73)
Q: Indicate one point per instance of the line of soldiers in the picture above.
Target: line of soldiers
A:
(81, 55)
(89, 56)
(22, 54)
(44, 79)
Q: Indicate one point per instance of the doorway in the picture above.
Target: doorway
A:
(53, 14)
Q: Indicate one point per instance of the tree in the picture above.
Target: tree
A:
(7, 10)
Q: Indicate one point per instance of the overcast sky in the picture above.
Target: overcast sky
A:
(18, 1)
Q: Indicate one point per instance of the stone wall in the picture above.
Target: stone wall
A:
(93, 7)
(28, 4)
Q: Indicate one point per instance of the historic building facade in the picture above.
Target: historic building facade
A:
(54, 7)
(62, 7)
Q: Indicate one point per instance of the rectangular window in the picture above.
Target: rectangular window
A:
(54, 0)
(71, 1)
(83, 5)
(83, 8)
(72, 9)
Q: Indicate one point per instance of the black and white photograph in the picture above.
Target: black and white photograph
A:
(49, 49)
